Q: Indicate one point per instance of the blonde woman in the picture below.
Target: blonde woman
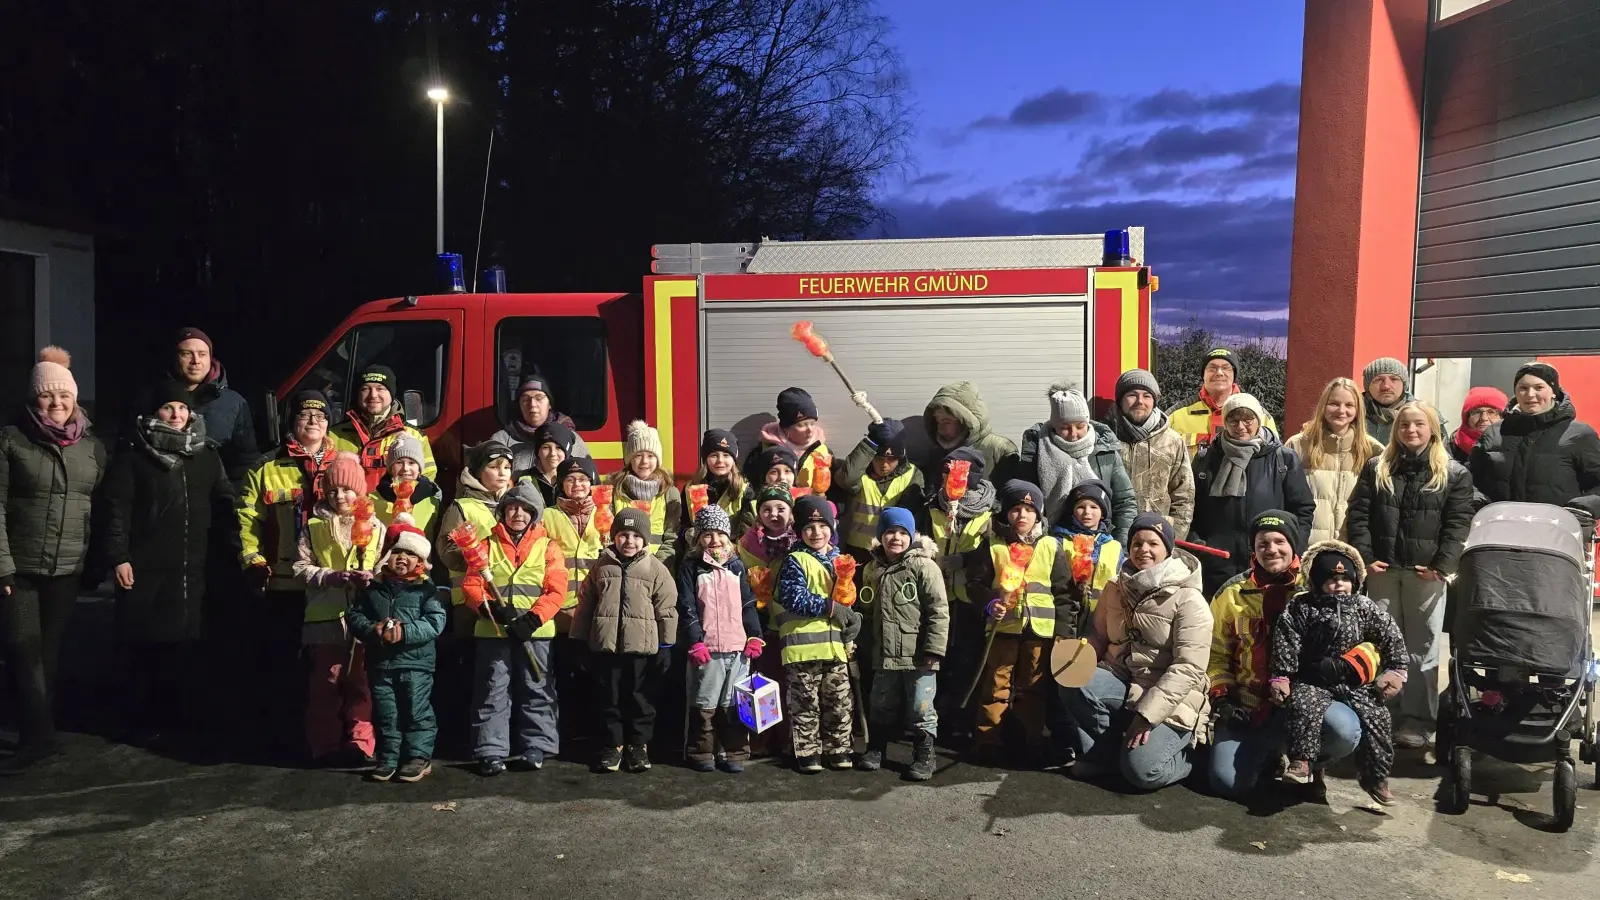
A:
(1408, 518)
(1333, 448)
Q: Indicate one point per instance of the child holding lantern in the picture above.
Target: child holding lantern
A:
(403, 489)
(816, 590)
(338, 551)
(1084, 529)
(580, 523)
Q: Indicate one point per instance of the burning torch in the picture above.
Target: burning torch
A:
(805, 333)
(478, 585)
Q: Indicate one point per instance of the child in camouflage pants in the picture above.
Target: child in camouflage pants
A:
(816, 633)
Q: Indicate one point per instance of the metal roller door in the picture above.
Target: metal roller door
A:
(1508, 252)
(898, 351)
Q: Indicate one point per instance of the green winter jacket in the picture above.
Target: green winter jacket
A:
(45, 492)
(418, 608)
(962, 400)
(906, 607)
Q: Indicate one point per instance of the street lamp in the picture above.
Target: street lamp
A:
(440, 96)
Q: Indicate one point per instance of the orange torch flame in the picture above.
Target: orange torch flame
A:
(603, 513)
(805, 334)
(699, 498)
(955, 480)
(844, 584)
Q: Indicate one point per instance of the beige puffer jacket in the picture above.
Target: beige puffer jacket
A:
(1153, 631)
(1333, 483)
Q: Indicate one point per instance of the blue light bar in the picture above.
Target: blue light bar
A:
(1117, 249)
(449, 275)
(494, 280)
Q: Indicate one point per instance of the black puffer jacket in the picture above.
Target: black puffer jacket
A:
(229, 426)
(1274, 479)
(1547, 458)
(1411, 526)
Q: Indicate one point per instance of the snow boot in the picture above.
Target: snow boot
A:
(922, 761)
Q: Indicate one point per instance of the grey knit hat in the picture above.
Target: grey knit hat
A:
(1137, 380)
(712, 517)
(523, 493)
(1385, 365)
(1067, 404)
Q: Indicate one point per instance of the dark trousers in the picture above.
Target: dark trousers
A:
(402, 714)
(166, 686)
(32, 621)
(274, 717)
(626, 688)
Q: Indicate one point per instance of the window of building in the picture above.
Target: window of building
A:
(418, 352)
(570, 351)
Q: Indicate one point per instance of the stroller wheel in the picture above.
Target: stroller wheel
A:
(1458, 784)
(1566, 790)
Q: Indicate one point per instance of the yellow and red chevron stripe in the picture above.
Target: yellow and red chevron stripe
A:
(1121, 327)
(672, 370)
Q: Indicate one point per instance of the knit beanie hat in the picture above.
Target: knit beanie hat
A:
(405, 446)
(307, 401)
(1543, 372)
(1017, 492)
(1244, 401)
(641, 438)
(1067, 404)
(814, 508)
(1089, 489)
(1280, 521)
(975, 473)
(522, 493)
(345, 472)
(1154, 521)
(381, 375)
(897, 517)
(169, 391)
(764, 461)
(795, 404)
(1137, 380)
(53, 372)
(193, 334)
(631, 519)
(712, 517)
(404, 535)
(479, 457)
(553, 432)
(1484, 397)
(536, 382)
(1331, 561)
(718, 440)
(576, 464)
(890, 435)
(1224, 354)
(1385, 365)
(774, 492)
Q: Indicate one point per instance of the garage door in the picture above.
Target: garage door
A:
(1508, 254)
(899, 352)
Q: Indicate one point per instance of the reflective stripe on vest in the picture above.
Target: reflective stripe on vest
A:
(1037, 612)
(482, 518)
(581, 551)
(811, 638)
(329, 604)
(970, 538)
(520, 585)
(658, 518)
(869, 505)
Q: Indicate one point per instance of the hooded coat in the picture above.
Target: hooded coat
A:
(908, 616)
(962, 400)
(1547, 458)
(1105, 459)
(1274, 479)
(1152, 629)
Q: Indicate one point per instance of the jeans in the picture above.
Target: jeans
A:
(1240, 754)
(711, 685)
(903, 698)
(504, 691)
(1096, 712)
(1418, 608)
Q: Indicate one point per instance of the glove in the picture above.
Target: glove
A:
(1226, 712)
(1336, 670)
(852, 626)
(700, 654)
(256, 578)
(336, 579)
(521, 628)
(505, 613)
(663, 659)
(878, 433)
(859, 398)
(753, 648)
(996, 609)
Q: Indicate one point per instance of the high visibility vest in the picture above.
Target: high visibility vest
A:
(1037, 611)
(269, 518)
(482, 518)
(811, 638)
(422, 512)
(1104, 572)
(329, 604)
(970, 538)
(658, 517)
(763, 577)
(869, 505)
(581, 550)
(519, 585)
(806, 476)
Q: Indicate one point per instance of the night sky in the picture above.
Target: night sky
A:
(1065, 116)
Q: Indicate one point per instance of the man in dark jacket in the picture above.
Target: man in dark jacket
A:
(1540, 452)
(229, 426)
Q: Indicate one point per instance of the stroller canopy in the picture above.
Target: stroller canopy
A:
(1523, 594)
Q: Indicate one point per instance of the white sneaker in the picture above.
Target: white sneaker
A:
(1412, 739)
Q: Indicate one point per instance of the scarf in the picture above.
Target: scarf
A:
(1215, 422)
(170, 446)
(579, 511)
(1466, 438)
(715, 488)
(718, 556)
(1236, 456)
(639, 488)
(1129, 432)
(1062, 464)
(369, 429)
(759, 544)
(312, 465)
(978, 500)
(63, 435)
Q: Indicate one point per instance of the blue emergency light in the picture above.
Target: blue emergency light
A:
(494, 280)
(449, 275)
(1117, 249)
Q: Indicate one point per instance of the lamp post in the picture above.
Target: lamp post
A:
(439, 95)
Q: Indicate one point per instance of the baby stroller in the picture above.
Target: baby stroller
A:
(1522, 675)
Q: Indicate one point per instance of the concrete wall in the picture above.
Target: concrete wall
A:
(64, 292)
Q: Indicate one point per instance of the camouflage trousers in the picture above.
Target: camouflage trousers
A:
(818, 694)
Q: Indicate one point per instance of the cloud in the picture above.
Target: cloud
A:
(1056, 107)
(932, 178)
(1278, 99)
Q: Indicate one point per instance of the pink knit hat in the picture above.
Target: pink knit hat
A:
(52, 372)
(345, 471)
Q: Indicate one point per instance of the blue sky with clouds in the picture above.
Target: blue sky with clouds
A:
(1064, 116)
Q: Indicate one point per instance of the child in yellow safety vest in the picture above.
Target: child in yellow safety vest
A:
(763, 549)
(338, 552)
(799, 431)
(958, 517)
(877, 475)
(1084, 530)
(644, 485)
(718, 482)
(1024, 582)
(404, 489)
(816, 591)
(582, 531)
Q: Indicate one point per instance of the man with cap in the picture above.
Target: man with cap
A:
(1540, 452)
(375, 422)
(535, 407)
(1201, 421)
(1387, 383)
(877, 474)
(1154, 453)
(229, 426)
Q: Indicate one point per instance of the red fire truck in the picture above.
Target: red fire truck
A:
(708, 347)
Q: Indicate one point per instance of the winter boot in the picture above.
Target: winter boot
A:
(872, 759)
(922, 761)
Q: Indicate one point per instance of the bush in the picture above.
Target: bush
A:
(1263, 372)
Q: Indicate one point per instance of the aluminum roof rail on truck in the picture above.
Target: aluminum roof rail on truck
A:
(1040, 251)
